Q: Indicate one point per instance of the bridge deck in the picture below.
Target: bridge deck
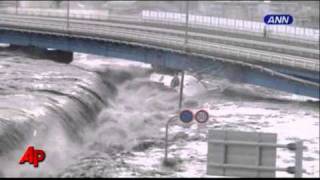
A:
(225, 47)
(240, 42)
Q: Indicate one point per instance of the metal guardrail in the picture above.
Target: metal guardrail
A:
(168, 39)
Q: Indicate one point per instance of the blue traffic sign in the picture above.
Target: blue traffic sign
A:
(186, 116)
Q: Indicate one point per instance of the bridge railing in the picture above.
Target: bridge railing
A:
(233, 25)
(197, 21)
(87, 14)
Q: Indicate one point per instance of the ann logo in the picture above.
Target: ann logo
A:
(274, 19)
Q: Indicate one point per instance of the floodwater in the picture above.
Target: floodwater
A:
(103, 117)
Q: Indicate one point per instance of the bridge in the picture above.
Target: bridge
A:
(282, 58)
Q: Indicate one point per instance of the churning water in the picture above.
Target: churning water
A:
(101, 117)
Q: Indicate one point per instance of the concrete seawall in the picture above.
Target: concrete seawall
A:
(37, 96)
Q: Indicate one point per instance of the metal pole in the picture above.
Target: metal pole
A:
(181, 90)
(186, 25)
(185, 47)
(299, 156)
(68, 12)
(16, 7)
(166, 139)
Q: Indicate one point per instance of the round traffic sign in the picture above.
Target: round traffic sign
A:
(202, 116)
(186, 116)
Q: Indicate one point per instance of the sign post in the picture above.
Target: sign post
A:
(299, 157)
(166, 140)
(181, 90)
(185, 116)
(186, 49)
